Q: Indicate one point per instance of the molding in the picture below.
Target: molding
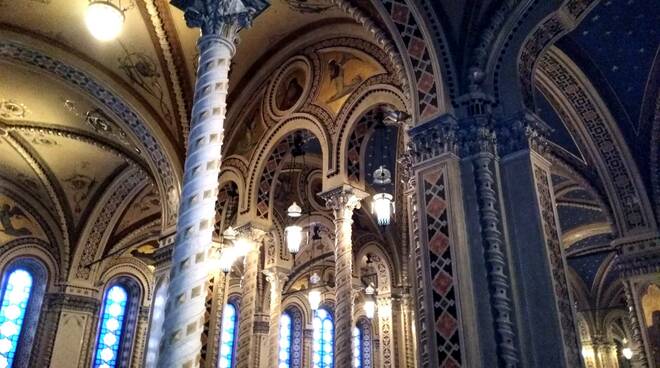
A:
(164, 34)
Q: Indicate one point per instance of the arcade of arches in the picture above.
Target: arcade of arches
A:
(356, 183)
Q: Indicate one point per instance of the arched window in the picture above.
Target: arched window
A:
(290, 345)
(157, 318)
(117, 324)
(284, 356)
(362, 344)
(323, 347)
(357, 348)
(228, 336)
(23, 287)
(112, 327)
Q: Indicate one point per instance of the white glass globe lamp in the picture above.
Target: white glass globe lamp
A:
(104, 20)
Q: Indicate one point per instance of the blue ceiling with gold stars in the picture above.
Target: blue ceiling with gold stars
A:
(616, 46)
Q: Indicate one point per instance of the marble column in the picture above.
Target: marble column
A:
(343, 201)
(276, 279)
(245, 351)
(220, 22)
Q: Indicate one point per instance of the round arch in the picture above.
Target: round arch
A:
(351, 116)
(270, 153)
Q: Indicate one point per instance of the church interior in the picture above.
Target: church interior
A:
(329, 183)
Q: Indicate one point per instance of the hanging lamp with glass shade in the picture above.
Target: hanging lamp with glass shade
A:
(104, 19)
(382, 203)
(314, 294)
(369, 303)
(294, 233)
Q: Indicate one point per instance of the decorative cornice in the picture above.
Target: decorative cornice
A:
(71, 301)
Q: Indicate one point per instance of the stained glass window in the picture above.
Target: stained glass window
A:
(323, 347)
(362, 344)
(228, 336)
(15, 298)
(284, 357)
(157, 317)
(112, 327)
(357, 348)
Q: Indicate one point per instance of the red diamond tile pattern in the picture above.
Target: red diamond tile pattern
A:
(444, 303)
(418, 52)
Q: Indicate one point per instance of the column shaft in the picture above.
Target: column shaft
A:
(184, 319)
(244, 351)
(343, 201)
(276, 281)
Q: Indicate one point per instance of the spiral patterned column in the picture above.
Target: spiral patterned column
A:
(495, 259)
(640, 352)
(276, 280)
(184, 317)
(343, 201)
(246, 316)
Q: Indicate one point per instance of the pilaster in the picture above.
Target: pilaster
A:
(638, 261)
(308, 340)
(640, 356)
(444, 307)
(385, 331)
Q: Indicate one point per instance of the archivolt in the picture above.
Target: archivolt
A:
(268, 153)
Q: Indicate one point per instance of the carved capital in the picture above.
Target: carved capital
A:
(251, 232)
(433, 138)
(222, 18)
(276, 277)
(343, 200)
(524, 131)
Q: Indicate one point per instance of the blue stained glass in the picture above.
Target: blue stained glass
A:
(112, 327)
(228, 337)
(284, 357)
(323, 345)
(15, 298)
(357, 350)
